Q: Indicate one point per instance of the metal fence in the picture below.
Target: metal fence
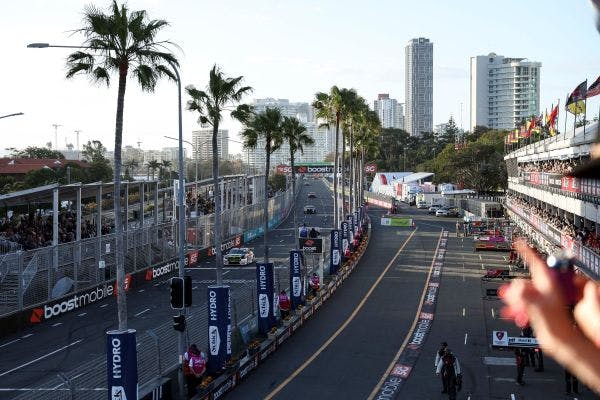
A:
(34, 277)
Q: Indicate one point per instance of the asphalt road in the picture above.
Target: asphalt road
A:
(62, 343)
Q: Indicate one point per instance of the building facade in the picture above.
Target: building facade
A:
(202, 144)
(504, 91)
(390, 112)
(419, 86)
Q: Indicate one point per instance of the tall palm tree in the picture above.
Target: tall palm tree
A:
(368, 131)
(221, 94)
(295, 135)
(130, 166)
(329, 109)
(126, 43)
(354, 109)
(265, 127)
(153, 165)
(165, 167)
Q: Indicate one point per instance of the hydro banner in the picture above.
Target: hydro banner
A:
(356, 223)
(296, 278)
(121, 365)
(335, 257)
(219, 327)
(345, 245)
(350, 219)
(264, 290)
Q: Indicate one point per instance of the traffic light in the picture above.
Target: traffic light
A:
(179, 322)
(187, 292)
(177, 293)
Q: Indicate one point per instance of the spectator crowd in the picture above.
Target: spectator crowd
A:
(563, 167)
(587, 236)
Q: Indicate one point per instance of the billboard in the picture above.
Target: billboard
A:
(219, 327)
(121, 365)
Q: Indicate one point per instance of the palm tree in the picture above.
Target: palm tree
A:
(153, 165)
(123, 42)
(368, 131)
(165, 168)
(266, 127)
(295, 135)
(355, 107)
(328, 107)
(130, 166)
(222, 93)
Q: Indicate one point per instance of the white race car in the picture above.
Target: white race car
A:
(240, 255)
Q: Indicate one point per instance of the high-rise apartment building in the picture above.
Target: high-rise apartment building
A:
(419, 86)
(202, 141)
(504, 91)
(390, 112)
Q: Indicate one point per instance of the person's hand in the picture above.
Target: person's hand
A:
(573, 339)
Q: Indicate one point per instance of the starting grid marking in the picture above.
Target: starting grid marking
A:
(390, 385)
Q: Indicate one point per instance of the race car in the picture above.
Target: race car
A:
(312, 195)
(239, 255)
(310, 209)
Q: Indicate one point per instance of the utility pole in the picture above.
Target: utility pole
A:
(77, 131)
(56, 134)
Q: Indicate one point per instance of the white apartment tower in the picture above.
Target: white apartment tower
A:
(419, 86)
(202, 141)
(390, 112)
(504, 91)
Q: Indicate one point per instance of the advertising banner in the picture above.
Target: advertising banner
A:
(219, 327)
(356, 223)
(344, 226)
(264, 290)
(350, 219)
(335, 256)
(311, 245)
(296, 278)
(121, 365)
(395, 221)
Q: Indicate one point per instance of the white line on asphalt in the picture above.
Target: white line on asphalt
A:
(103, 305)
(26, 336)
(39, 358)
(493, 313)
(57, 324)
(195, 287)
(82, 314)
(9, 343)
(469, 398)
(465, 338)
(480, 257)
(281, 241)
(141, 290)
(141, 312)
(157, 284)
(464, 311)
(226, 272)
(512, 396)
(482, 266)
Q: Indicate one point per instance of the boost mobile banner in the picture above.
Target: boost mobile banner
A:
(219, 327)
(296, 278)
(121, 365)
(335, 249)
(344, 226)
(264, 290)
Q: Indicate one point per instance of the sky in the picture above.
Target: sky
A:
(284, 49)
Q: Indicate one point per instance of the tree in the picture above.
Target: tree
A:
(450, 133)
(153, 165)
(277, 182)
(265, 127)
(123, 42)
(100, 169)
(165, 167)
(36, 152)
(130, 165)
(295, 135)
(221, 94)
(40, 177)
(355, 109)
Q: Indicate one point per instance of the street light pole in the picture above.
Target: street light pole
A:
(10, 115)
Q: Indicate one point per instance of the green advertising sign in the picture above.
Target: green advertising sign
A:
(396, 221)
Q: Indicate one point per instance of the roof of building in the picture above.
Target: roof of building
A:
(24, 165)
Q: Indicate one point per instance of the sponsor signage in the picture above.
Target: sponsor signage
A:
(395, 221)
(226, 245)
(350, 219)
(284, 169)
(121, 365)
(265, 296)
(356, 219)
(267, 351)
(370, 168)
(344, 226)
(247, 367)
(335, 251)
(219, 327)
(224, 387)
(311, 245)
(297, 279)
(72, 303)
(501, 339)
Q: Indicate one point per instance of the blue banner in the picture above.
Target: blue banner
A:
(356, 222)
(121, 365)
(265, 296)
(350, 220)
(297, 278)
(219, 327)
(345, 245)
(335, 249)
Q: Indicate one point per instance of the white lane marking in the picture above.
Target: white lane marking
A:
(493, 313)
(26, 336)
(40, 358)
(141, 312)
(281, 241)
(226, 272)
(57, 324)
(82, 314)
(103, 305)
(195, 287)
(465, 338)
(482, 266)
(141, 290)
(464, 311)
(480, 257)
(157, 284)
(9, 343)
(503, 361)
(512, 397)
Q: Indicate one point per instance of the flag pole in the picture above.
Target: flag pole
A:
(566, 117)
(584, 115)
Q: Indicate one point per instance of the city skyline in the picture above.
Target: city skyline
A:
(76, 105)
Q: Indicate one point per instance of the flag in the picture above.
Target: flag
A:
(514, 136)
(594, 89)
(552, 117)
(576, 101)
